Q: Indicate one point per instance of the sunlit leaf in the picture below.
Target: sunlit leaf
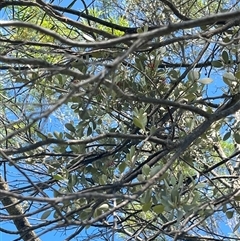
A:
(146, 197)
(58, 177)
(146, 206)
(146, 169)
(237, 75)
(122, 167)
(140, 122)
(141, 178)
(56, 134)
(158, 209)
(228, 78)
(205, 81)
(193, 75)
(88, 37)
(237, 198)
(155, 170)
(104, 206)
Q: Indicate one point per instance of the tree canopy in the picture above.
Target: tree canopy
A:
(120, 120)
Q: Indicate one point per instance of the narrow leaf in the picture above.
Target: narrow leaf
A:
(46, 214)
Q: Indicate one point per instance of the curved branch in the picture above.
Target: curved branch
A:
(175, 11)
(126, 30)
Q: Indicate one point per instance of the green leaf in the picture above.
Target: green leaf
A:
(40, 135)
(180, 180)
(146, 206)
(193, 75)
(122, 167)
(173, 74)
(217, 64)
(74, 106)
(229, 214)
(175, 195)
(139, 63)
(155, 170)
(46, 214)
(137, 122)
(237, 75)
(194, 88)
(237, 137)
(104, 206)
(146, 169)
(56, 134)
(72, 180)
(166, 202)
(145, 28)
(200, 185)
(140, 177)
(224, 208)
(173, 180)
(97, 212)
(89, 131)
(226, 40)
(188, 208)
(140, 118)
(75, 148)
(132, 151)
(140, 123)
(237, 198)
(227, 136)
(225, 57)
(70, 127)
(85, 213)
(60, 79)
(56, 193)
(153, 130)
(146, 197)
(179, 215)
(228, 78)
(56, 215)
(215, 191)
(69, 136)
(94, 125)
(103, 179)
(58, 177)
(158, 209)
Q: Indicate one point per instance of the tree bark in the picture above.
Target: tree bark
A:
(13, 208)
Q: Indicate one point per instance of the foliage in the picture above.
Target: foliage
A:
(120, 120)
(120, 20)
